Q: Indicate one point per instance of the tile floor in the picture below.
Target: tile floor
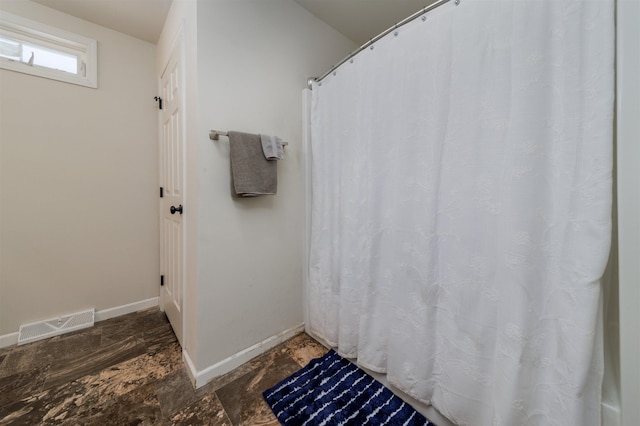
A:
(128, 371)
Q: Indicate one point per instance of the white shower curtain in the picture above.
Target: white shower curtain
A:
(461, 178)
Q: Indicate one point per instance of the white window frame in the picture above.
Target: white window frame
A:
(32, 32)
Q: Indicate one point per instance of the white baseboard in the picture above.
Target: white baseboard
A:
(12, 338)
(191, 368)
(8, 339)
(129, 308)
(203, 377)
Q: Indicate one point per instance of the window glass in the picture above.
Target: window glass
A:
(34, 48)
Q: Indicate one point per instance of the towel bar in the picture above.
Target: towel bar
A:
(214, 135)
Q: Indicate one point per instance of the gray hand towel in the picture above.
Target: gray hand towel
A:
(251, 173)
(272, 147)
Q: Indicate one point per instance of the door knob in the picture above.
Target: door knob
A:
(174, 209)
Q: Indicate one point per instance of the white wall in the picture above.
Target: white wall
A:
(78, 181)
(254, 58)
(628, 137)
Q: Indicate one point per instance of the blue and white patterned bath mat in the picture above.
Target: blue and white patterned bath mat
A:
(332, 391)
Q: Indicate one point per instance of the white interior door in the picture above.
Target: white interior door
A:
(172, 183)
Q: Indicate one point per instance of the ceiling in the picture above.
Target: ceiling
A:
(359, 20)
(142, 19)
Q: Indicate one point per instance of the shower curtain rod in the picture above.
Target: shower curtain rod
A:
(419, 13)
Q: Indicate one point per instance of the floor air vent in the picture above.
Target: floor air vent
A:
(53, 327)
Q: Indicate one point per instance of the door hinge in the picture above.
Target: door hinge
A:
(161, 280)
(159, 100)
(161, 192)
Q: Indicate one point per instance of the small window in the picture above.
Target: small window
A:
(34, 48)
